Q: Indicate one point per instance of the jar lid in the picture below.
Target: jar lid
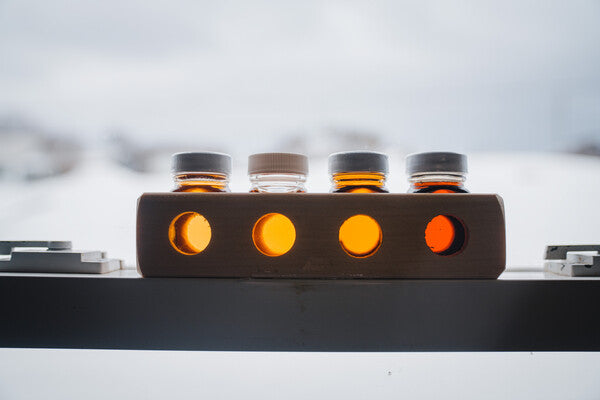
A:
(432, 162)
(201, 161)
(358, 161)
(272, 163)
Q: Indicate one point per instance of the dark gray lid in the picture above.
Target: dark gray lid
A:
(358, 161)
(202, 161)
(420, 163)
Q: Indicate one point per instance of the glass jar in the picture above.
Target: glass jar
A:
(201, 172)
(437, 172)
(358, 172)
(277, 172)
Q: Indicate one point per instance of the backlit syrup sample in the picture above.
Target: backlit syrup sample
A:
(438, 187)
(200, 183)
(360, 236)
(274, 234)
(189, 233)
(359, 182)
(445, 235)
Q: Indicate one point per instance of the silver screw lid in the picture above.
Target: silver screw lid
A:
(438, 161)
(205, 161)
(358, 161)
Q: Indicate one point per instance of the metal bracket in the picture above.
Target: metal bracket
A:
(53, 257)
(574, 260)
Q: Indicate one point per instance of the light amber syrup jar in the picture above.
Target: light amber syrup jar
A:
(358, 172)
(201, 172)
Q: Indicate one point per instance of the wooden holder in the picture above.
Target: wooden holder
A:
(316, 252)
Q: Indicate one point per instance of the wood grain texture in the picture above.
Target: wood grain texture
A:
(317, 252)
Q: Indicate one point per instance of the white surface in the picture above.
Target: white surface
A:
(87, 374)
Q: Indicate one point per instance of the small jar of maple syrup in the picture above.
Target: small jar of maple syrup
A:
(277, 172)
(358, 172)
(201, 172)
(436, 172)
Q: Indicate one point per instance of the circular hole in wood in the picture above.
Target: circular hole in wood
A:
(274, 234)
(445, 235)
(360, 236)
(189, 233)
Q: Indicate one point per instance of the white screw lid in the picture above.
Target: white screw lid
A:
(285, 163)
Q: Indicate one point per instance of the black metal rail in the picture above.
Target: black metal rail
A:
(299, 315)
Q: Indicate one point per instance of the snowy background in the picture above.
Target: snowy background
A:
(95, 96)
(550, 198)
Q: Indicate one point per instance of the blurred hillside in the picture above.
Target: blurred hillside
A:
(471, 76)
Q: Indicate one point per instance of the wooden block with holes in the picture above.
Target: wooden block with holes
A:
(339, 235)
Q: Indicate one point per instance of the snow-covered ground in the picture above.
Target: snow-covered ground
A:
(550, 198)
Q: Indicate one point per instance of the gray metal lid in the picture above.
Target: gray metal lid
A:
(358, 161)
(285, 163)
(421, 163)
(204, 161)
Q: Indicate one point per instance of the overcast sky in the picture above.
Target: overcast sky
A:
(491, 75)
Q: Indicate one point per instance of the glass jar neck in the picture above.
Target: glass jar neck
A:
(437, 183)
(201, 182)
(359, 182)
(277, 183)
